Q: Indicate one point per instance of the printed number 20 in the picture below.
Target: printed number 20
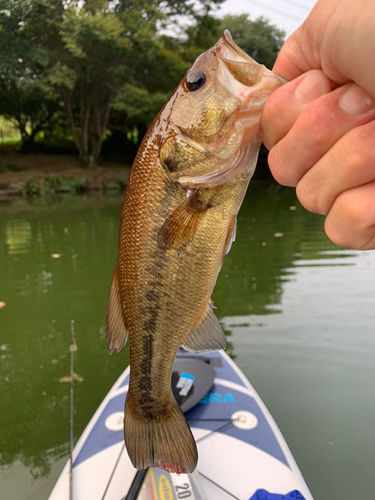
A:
(183, 494)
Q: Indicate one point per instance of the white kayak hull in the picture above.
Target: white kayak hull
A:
(241, 450)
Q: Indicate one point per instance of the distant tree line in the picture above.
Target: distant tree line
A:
(101, 69)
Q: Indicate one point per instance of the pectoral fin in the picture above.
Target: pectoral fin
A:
(207, 335)
(231, 236)
(117, 333)
(181, 225)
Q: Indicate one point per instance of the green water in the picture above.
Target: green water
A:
(299, 313)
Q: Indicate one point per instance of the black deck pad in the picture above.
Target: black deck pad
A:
(191, 380)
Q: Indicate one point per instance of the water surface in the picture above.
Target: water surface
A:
(299, 313)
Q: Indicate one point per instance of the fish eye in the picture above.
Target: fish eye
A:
(195, 80)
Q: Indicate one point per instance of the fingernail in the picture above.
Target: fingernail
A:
(356, 101)
(310, 88)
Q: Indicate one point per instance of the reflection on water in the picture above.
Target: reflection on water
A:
(18, 236)
(299, 313)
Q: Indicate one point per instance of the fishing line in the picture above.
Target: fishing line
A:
(218, 485)
(72, 349)
(273, 9)
(113, 472)
(217, 430)
(298, 4)
(228, 422)
(210, 419)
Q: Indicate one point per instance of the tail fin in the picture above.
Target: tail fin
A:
(163, 441)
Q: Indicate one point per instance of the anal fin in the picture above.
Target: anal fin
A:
(207, 335)
(117, 332)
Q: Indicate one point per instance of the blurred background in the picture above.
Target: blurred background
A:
(80, 82)
(86, 78)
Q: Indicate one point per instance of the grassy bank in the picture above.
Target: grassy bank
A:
(43, 174)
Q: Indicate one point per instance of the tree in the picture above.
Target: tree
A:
(26, 98)
(148, 88)
(259, 38)
(98, 50)
(95, 56)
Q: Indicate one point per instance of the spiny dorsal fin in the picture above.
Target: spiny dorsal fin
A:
(117, 333)
(207, 335)
(181, 225)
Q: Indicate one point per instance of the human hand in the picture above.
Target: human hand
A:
(323, 140)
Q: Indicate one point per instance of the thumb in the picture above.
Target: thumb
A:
(338, 38)
(304, 49)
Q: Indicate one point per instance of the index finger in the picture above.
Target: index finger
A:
(286, 104)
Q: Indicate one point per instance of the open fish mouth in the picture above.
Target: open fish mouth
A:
(234, 143)
(251, 82)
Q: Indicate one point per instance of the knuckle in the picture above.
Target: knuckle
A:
(278, 166)
(351, 221)
(307, 195)
(335, 234)
(360, 142)
(351, 211)
(271, 127)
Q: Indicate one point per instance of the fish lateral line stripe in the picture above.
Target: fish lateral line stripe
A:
(165, 227)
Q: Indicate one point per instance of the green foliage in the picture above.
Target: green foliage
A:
(8, 131)
(103, 54)
(25, 95)
(106, 63)
(138, 103)
(61, 75)
(52, 184)
(260, 39)
(204, 33)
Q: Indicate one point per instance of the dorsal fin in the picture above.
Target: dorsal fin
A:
(117, 332)
(181, 225)
(207, 335)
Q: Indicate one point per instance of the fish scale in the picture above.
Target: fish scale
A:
(177, 223)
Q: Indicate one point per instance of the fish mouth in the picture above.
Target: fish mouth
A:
(227, 44)
(239, 64)
(252, 84)
(250, 81)
(229, 51)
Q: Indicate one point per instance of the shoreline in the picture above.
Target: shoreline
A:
(44, 175)
(39, 175)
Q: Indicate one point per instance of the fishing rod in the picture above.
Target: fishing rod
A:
(72, 349)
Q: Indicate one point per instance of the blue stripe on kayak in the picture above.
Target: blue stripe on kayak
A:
(220, 403)
(125, 382)
(100, 437)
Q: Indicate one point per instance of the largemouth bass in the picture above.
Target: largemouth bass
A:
(178, 221)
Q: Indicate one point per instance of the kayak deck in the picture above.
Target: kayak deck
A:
(241, 450)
